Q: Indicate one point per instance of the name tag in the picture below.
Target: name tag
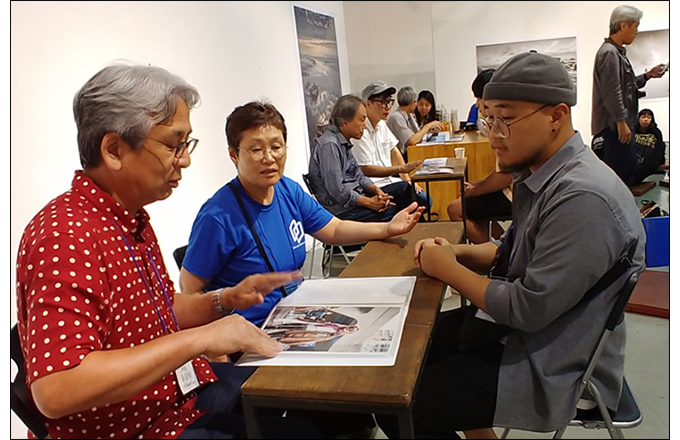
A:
(186, 376)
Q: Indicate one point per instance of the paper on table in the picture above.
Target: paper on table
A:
(341, 321)
(436, 165)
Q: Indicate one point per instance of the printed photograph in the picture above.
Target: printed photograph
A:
(564, 49)
(647, 50)
(320, 68)
(337, 329)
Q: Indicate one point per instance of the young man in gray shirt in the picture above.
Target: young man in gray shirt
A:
(573, 221)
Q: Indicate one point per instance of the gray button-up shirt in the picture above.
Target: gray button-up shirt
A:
(402, 125)
(335, 176)
(573, 219)
(615, 88)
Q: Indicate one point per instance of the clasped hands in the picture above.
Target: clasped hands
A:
(434, 256)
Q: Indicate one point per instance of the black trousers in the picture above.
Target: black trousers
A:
(457, 391)
(403, 196)
(622, 158)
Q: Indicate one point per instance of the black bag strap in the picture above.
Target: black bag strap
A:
(501, 266)
(254, 232)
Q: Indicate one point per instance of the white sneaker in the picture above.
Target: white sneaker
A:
(586, 404)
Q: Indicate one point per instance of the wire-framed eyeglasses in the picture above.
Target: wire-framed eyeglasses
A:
(188, 145)
(502, 128)
(276, 151)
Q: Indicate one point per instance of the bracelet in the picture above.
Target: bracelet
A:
(217, 301)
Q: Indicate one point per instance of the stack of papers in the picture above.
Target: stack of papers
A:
(437, 165)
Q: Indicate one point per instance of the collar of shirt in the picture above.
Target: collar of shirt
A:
(341, 137)
(535, 181)
(133, 225)
(619, 48)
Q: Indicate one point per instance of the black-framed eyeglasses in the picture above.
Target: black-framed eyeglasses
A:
(188, 145)
(276, 151)
(384, 102)
(502, 128)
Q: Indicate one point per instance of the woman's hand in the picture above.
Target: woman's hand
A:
(405, 220)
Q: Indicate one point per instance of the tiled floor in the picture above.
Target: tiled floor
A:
(647, 366)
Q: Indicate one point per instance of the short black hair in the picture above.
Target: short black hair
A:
(480, 82)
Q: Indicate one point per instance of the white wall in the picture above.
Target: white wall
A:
(232, 52)
(458, 27)
(391, 42)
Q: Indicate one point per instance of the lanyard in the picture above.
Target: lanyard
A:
(146, 284)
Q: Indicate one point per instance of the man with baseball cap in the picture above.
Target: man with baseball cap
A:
(574, 224)
(377, 151)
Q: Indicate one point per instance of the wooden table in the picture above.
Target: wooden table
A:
(481, 161)
(382, 390)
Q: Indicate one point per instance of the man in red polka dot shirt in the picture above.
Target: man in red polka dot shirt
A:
(98, 317)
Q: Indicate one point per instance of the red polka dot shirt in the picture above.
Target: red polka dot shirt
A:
(79, 291)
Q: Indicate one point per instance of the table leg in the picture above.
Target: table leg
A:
(406, 423)
(250, 413)
(462, 204)
(428, 210)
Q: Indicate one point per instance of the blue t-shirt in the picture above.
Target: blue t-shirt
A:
(223, 250)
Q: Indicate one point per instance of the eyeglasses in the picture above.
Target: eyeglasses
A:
(258, 153)
(384, 102)
(188, 145)
(502, 128)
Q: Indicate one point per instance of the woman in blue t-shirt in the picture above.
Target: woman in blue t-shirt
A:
(222, 249)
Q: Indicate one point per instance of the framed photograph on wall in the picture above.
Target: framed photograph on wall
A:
(647, 50)
(491, 56)
(319, 67)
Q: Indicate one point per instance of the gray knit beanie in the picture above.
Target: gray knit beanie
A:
(532, 77)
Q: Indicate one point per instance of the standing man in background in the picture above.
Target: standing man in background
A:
(616, 93)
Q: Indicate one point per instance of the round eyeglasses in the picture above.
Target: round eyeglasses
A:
(276, 151)
(502, 128)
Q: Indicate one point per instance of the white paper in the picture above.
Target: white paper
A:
(339, 321)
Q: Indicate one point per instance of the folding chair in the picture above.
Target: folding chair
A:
(327, 257)
(19, 400)
(628, 414)
(178, 254)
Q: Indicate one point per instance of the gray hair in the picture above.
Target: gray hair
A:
(129, 101)
(345, 109)
(623, 14)
(406, 95)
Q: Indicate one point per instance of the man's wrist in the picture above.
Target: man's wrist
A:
(218, 302)
(644, 75)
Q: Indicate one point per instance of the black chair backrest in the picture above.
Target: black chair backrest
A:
(616, 315)
(305, 177)
(19, 400)
(179, 254)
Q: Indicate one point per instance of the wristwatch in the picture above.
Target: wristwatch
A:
(217, 301)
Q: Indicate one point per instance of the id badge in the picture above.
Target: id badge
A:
(186, 376)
